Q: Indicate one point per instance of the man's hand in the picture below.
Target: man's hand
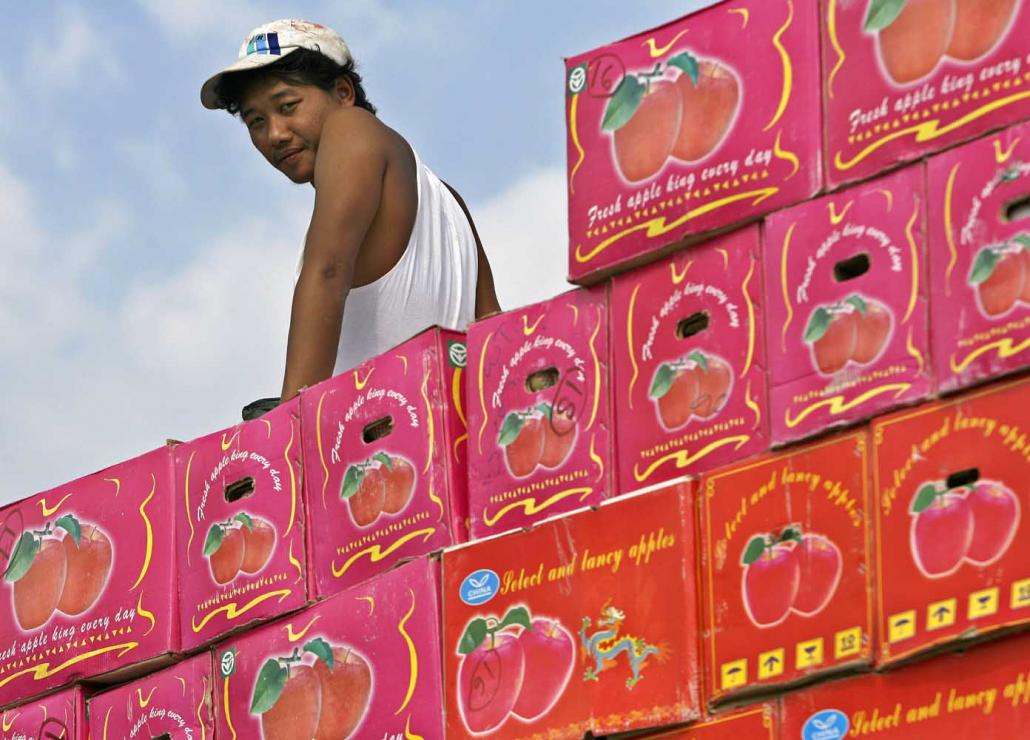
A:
(348, 181)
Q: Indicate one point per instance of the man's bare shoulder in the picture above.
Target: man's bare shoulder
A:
(355, 130)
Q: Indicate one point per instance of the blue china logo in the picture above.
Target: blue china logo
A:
(479, 587)
(829, 724)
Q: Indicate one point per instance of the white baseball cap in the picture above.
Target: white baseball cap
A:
(270, 43)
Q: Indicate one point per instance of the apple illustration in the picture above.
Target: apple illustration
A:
(258, 542)
(492, 670)
(364, 489)
(346, 690)
(711, 97)
(942, 528)
(550, 653)
(399, 482)
(560, 432)
(771, 577)
(38, 569)
(979, 25)
(522, 437)
(819, 562)
(674, 389)
(914, 40)
(999, 275)
(874, 326)
(996, 513)
(289, 699)
(89, 566)
(714, 376)
(833, 333)
(224, 550)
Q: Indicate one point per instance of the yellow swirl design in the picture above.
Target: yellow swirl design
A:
(745, 15)
(456, 396)
(928, 130)
(293, 636)
(148, 551)
(268, 428)
(436, 500)
(293, 477)
(232, 611)
(911, 349)
(43, 670)
(597, 370)
(117, 485)
(575, 313)
(949, 191)
(914, 249)
(49, 511)
(200, 707)
(225, 704)
(750, 320)
(788, 68)
(107, 718)
(144, 703)
(1001, 156)
(1006, 348)
(574, 131)
(412, 656)
(837, 404)
(786, 155)
(888, 196)
(629, 340)
(9, 725)
(318, 441)
(836, 218)
(295, 563)
(189, 513)
(753, 405)
(596, 458)
(831, 27)
(146, 614)
(228, 442)
(657, 51)
(658, 226)
(684, 457)
(408, 734)
(404, 360)
(431, 437)
(182, 684)
(371, 603)
(359, 382)
(677, 277)
(725, 257)
(530, 506)
(375, 553)
(784, 288)
(526, 328)
(482, 398)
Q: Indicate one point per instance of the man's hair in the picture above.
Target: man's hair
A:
(299, 67)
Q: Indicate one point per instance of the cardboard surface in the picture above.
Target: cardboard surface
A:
(61, 715)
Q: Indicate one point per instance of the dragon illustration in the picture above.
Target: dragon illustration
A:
(605, 645)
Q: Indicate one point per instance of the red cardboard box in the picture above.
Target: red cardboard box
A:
(982, 693)
(241, 542)
(538, 411)
(362, 663)
(903, 78)
(175, 702)
(952, 536)
(385, 449)
(614, 586)
(61, 715)
(688, 362)
(980, 258)
(846, 313)
(90, 571)
(683, 129)
(753, 723)
(786, 567)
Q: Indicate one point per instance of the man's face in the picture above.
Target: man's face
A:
(285, 122)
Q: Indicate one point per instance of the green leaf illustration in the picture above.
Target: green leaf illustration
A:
(688, 63)
(515, 615)
(623, 104)
(1023, 239)
(753, 551)
(385, 459)
(322, 650)
(215, 535)
(983, 265)
(474, 635)
(662, 381)
(699, 357)
(269, 686)
(71, 525)
(882, 13)
(818, 324)
(544, 408)
(858, 302)
(22, 557)
(351, 481)
(927, 493)
(510, 429)
(790, 534)
(244, 519)
(1009, 175)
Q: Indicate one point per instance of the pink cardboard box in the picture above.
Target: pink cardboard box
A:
(89, 578)
(538, 411)
(241, 554)
(903, 78)
(385, 448)
(61, 715)
(846, 306)
(687, 128)
(980, 258)
(175, 703)
(362, 663)
(688, 362)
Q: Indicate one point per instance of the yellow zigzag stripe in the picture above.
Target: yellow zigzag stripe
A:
(1006, 348)
(376, 553)
(412, 656)
(232, 611)
(838, 405)
(530, 506)
(684, 458)
(43, 670)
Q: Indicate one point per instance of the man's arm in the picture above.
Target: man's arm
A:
(348, 187)
(486, 298)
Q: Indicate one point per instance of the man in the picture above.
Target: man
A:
(388, 240)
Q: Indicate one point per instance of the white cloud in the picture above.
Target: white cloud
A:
(76, 49)
(194, 19)
(524, 233)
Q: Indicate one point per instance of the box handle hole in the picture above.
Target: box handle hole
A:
(851, 268)
(377, 429)
(1018, 209)
(162, 736)
(542, 379)
(238, 489)
(693, 324)
(963, 478)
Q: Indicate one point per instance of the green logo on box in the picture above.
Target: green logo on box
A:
(227, 663)
(457, 353)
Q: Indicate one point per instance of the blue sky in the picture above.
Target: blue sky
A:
(149, 250)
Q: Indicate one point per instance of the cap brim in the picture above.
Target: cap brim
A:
(209, 90)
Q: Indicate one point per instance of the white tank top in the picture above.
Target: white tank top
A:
(434, 282)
